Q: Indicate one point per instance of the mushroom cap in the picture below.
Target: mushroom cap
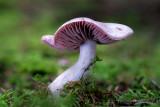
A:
(76, 31)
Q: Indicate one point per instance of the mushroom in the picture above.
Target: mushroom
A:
(82, 34)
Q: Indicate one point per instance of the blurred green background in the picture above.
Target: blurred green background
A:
(24, 22)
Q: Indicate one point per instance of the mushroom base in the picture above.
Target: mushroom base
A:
(79, 69)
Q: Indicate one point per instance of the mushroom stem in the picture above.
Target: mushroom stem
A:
(78, 70)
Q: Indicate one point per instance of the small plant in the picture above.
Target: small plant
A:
(5, 97)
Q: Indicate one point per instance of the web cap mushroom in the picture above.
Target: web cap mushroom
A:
(82, 34)
(74, 33)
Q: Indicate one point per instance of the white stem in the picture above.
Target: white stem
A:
(75, 72)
